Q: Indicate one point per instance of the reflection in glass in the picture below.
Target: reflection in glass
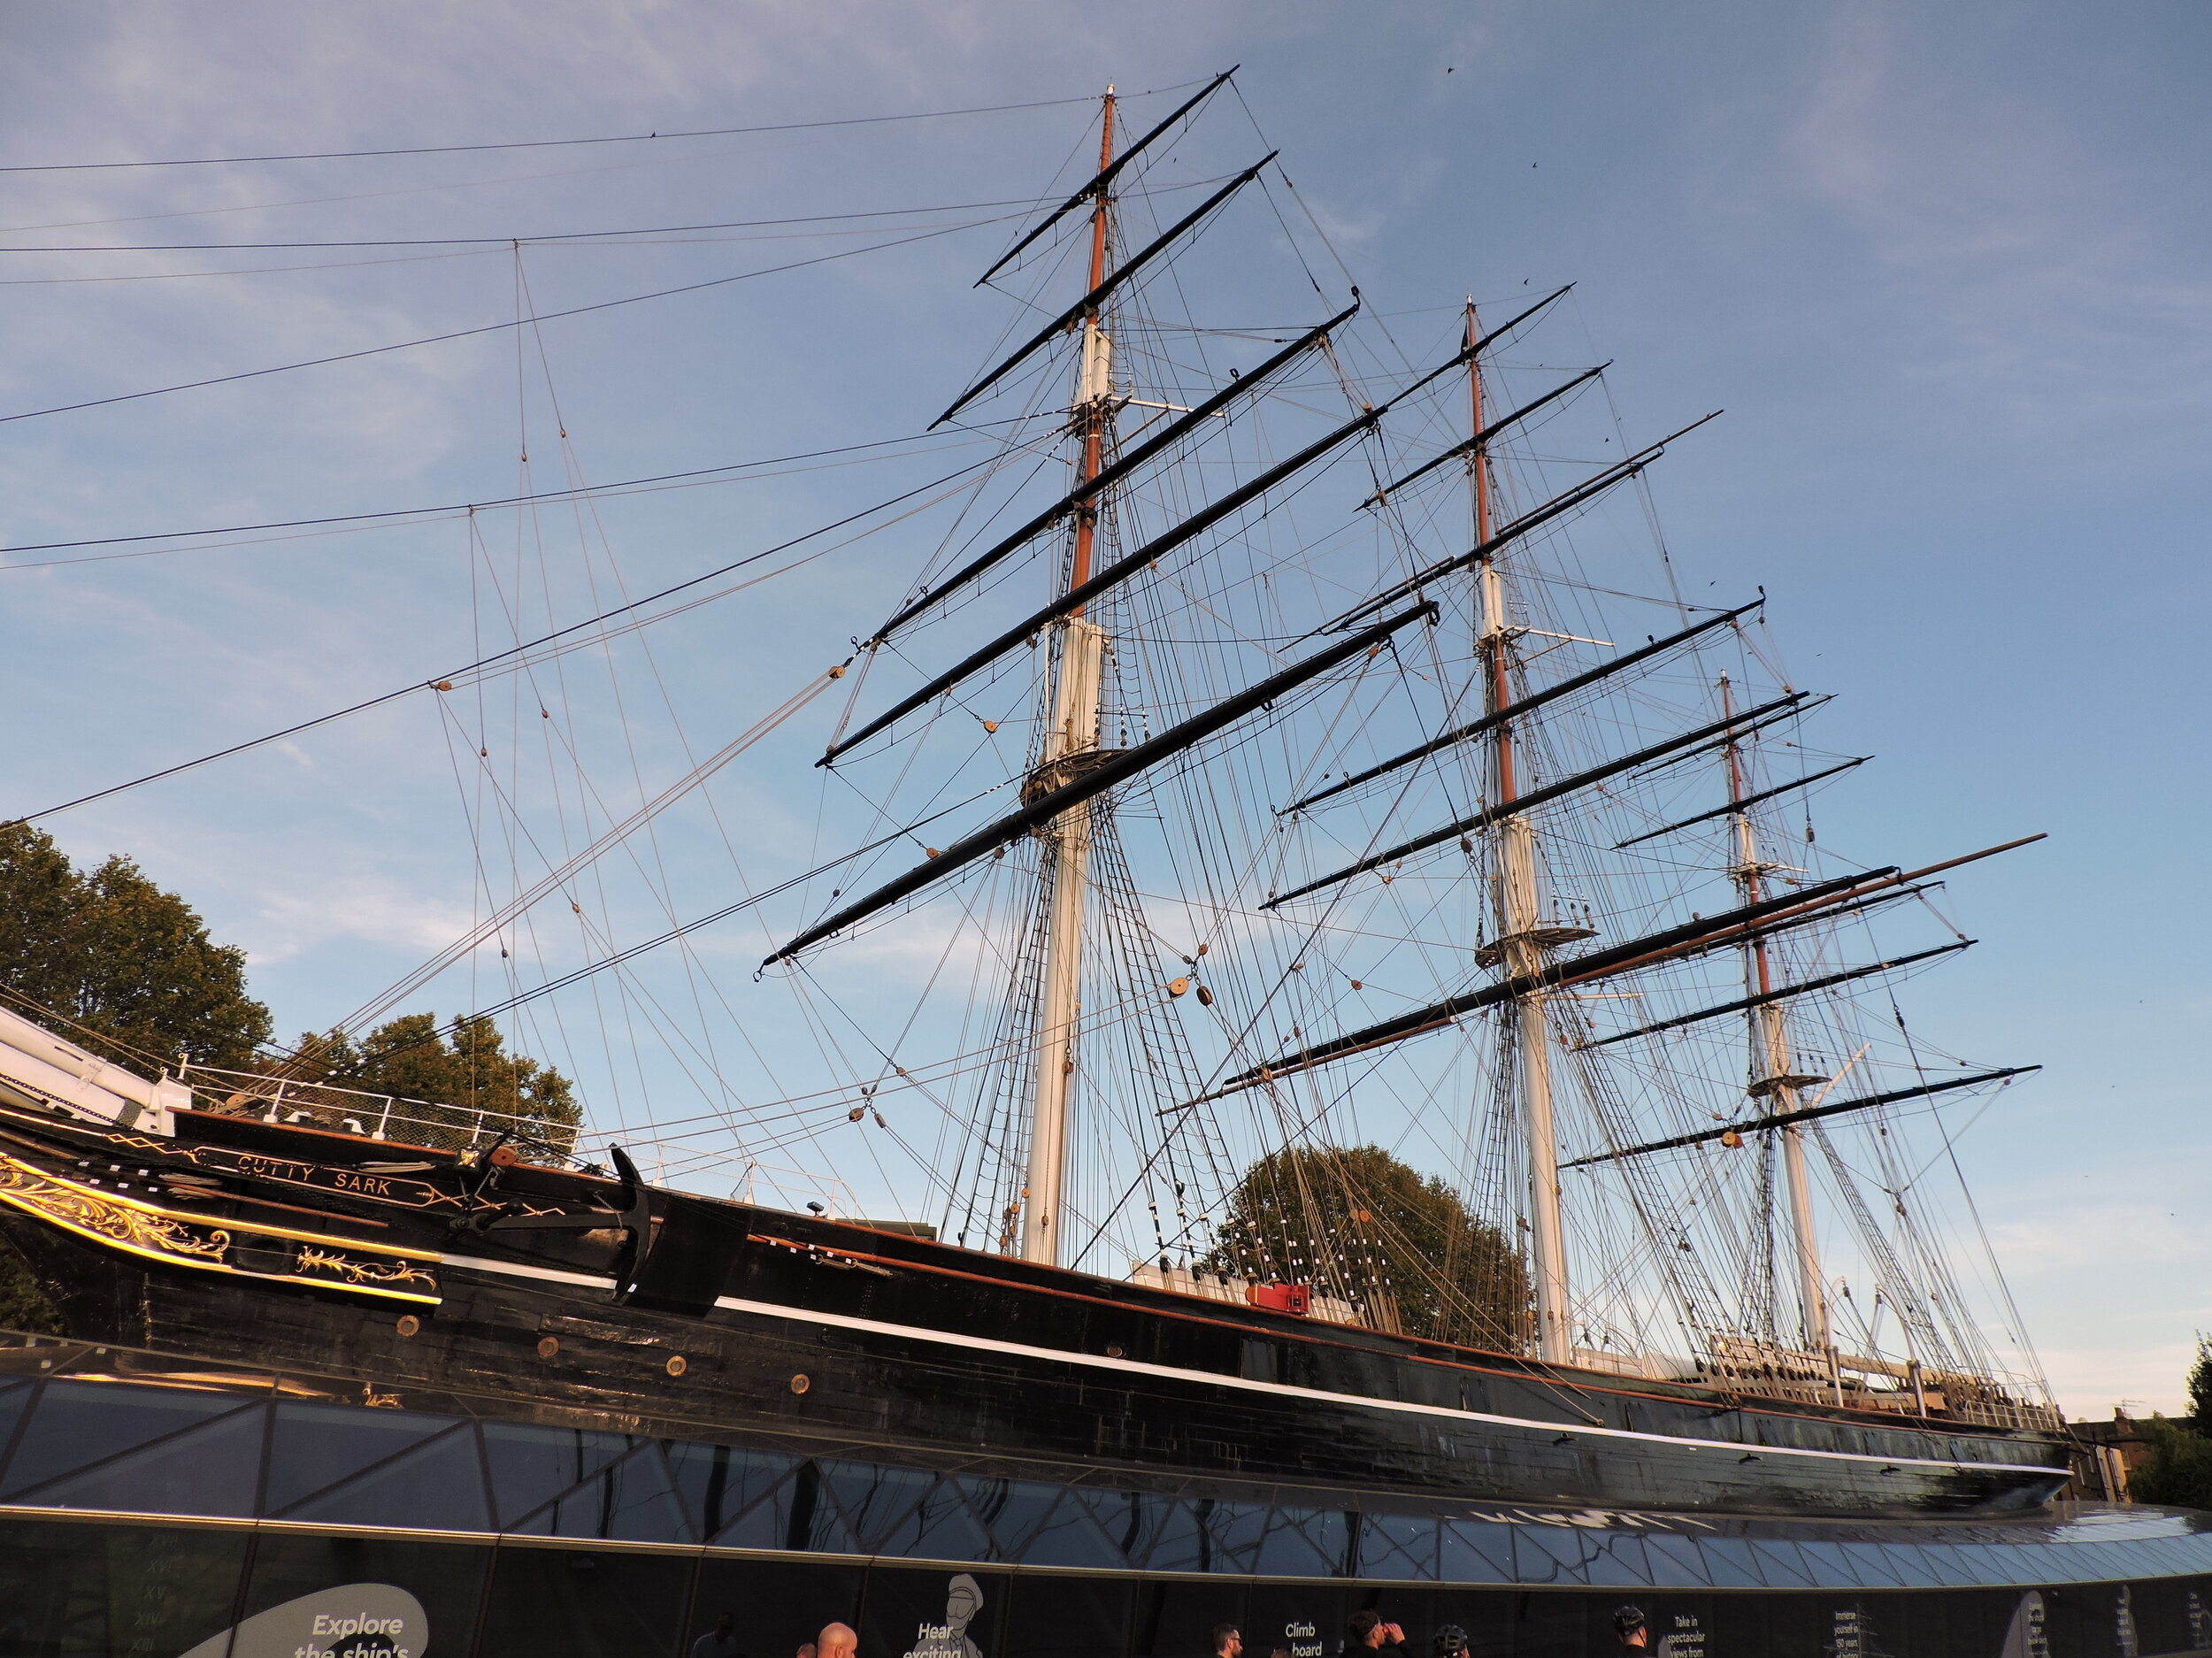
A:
(875, 1499)
(437, 1485)
(316, 1446)
(209, 1469)
(718, 1483)
(532, 1465)
(1397, 1546)
(633, 1500)
(1071, 1535)
(1011, 1510)
(1474, 1551)
(76, 1423)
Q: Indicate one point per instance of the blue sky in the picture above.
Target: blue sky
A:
(1946, 267)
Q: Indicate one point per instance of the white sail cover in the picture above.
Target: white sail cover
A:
(35, 1063)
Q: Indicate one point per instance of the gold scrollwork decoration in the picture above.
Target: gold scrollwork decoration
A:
(69, 1205)
(378, 1274)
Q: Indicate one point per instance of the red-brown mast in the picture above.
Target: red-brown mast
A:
(1093, 415)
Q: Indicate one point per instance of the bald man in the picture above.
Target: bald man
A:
(837, 1641)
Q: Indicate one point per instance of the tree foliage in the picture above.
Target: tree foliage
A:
(2179, 1471)
(129, 966)
(1357, 1223)
(465, 1071)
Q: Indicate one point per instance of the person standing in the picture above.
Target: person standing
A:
(1449, 1642)
(1365, 1631)
(837, 1641)
(1228, 1641)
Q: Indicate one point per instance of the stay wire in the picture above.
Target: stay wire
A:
(497, 657)
(494, 328)
(567, 143)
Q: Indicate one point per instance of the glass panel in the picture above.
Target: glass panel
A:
(1674, 1560)
(1071, 1535)
(13, 1396)
(1397, 1546)
(210, 1469)
(634, 1501)
(773, 1605)
(1908, 1565)
(875, 1499)
(1129, 1517)
(1780, 1563)
(933, 1613)
(1870, 1563)
(1947, 1564)
(1474, 1551)
(1174, 1540)
(583, 1604)
(816, 1522)
(319, 1444)
(71, 1591)
(717, 1483)
(1236, 1529)
(1549, 1553)
(438, 1486)
(1068, 1617)
(1615, 1559)
(1288, 1551)
(1730, 1563)
(438, 1587)
(766, 1524)
(531, 1466)
(940, 1528)
(76, 1423)
(1011, 1510)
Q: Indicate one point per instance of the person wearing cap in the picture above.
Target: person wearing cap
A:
(1629, 1629)
(1449, 1642)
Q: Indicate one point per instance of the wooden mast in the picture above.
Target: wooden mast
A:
(1522, 945)
(1776, 1082)
(1074, 733)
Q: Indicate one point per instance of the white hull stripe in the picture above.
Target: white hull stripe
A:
(1135, 1367)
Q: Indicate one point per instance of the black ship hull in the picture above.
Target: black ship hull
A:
(293, 1249)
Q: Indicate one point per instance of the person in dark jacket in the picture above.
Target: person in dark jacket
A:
(1365, 1632)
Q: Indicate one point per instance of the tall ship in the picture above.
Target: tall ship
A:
(1389, 1042)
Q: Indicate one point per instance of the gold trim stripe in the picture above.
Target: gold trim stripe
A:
(176, 1238)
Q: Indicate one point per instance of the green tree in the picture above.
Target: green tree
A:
(128, 968)
(2179, 1471)
(466, 1071)
(24, 1303)
(1357, 1223)
(2199, 1385)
